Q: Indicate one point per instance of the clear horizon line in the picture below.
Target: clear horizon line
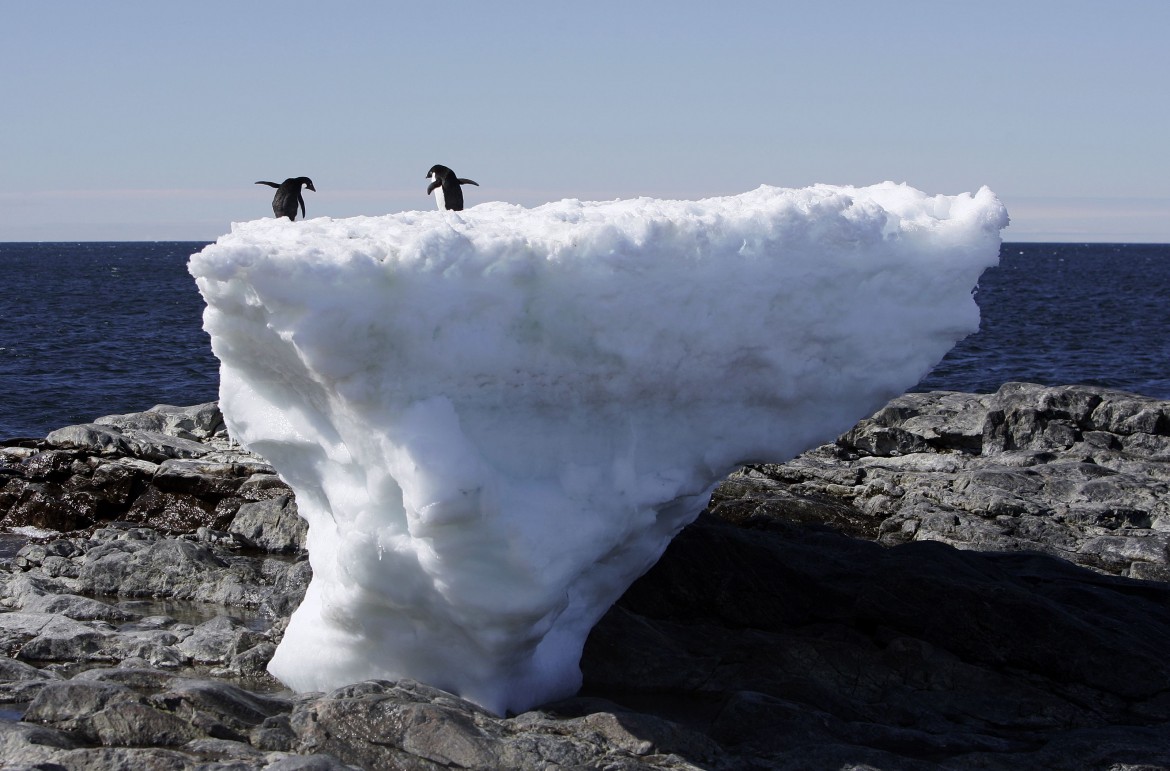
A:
(1004, 242)
(247, 189)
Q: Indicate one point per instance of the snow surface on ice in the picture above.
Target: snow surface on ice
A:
(495, 420)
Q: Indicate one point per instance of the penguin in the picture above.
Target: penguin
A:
(288, 195)
(449, 195)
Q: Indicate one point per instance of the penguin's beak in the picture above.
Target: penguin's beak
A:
(310, 186)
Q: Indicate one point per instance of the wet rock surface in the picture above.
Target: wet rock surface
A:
(961, 581)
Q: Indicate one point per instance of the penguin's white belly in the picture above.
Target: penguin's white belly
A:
(439, 198)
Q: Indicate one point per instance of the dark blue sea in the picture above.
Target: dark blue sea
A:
(92, 329)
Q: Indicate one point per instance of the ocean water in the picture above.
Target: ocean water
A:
(1057, 314)
(92, 329)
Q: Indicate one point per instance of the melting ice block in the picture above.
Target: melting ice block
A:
(495, 420)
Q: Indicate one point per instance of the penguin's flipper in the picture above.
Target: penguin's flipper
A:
(301, 201)
(467, 182)
(270, 184)
(432, 186)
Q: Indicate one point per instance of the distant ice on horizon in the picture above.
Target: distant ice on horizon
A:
(495, 420)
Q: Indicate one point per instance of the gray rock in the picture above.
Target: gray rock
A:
(18, 588)
(170, 467)
(168, 567)
(31, 744)
(138, 562)
(1056, 470)
(199, 478)
(262, 484)
(91, 437)
(1122, 553)
(117, 478)
(273, 734)
(34, 554)
(309, 763)
(12, 670)
(288, 588)
(218, 641)
(12, 457)
(253, 662)
(195, 423)
(395, 725)
(127, 759)
(158, 447)
(141, 679)
(138, 421)
(20, 683)
(236, 753)
(49, 637)
(199, 422)
(133, 724)
(271, 525)
(227, 704)
(68, 704)
(430, 727)
(45, 506)
(77, 608)
(50, 465)
(175, 512)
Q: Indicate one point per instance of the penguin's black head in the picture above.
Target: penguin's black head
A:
(307, 183)
(438, 171)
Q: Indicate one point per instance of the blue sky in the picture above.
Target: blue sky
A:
(149, 120)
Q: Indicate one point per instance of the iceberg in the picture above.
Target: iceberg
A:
(495, 420)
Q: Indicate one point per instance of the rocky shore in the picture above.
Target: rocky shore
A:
(961, 581)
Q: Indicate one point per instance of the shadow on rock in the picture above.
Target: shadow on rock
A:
(800, 647)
